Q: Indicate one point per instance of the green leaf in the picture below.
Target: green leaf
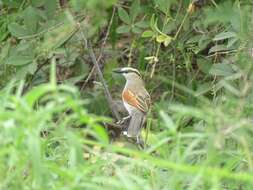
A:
(31, 68)
(18, 60)
(141, 24)
(147, 34)
(50, 6)
(204, 65)
(153, 21)
(12, 3)
(23, 70)
(231, 42)
(3, 30)
(168, 122)
(194, 39)
(33, 95)
(123, 15)
(17, 30)
(123, 29)
(224, 35)
(203, 88)
(134, 9)
(167, 41)
(163, 5)
(33, 146)
(5, 51)
(101, 134)
(136, 30)
(80, 70)
(161, 38)
(58, 36)
(203, 42)
(31, 19)
(221, 69)
(38, 3)
(217, 48)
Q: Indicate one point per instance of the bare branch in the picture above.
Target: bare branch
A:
(108, 96)
(102, 80)
(101, 48)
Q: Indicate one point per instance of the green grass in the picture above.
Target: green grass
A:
(213, 153)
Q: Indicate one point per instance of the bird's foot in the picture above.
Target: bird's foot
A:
(123, 120)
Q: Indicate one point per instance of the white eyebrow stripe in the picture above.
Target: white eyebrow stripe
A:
(131, 69)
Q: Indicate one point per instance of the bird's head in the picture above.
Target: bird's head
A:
(128, 72)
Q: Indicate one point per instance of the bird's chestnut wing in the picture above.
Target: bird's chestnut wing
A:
(140, 101)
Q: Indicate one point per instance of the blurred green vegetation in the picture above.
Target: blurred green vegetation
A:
(196, 57)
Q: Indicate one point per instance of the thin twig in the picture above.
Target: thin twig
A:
(88, 78)
(100, 75)
(181, 25)
(159, 46)
(131, 53)
(29, 83)
(88, 45)
(101, 49)
(108, 29)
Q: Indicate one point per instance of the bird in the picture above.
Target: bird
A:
(136, 100)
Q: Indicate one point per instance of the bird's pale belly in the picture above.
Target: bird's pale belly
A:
(129, 108)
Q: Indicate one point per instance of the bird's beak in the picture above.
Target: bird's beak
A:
(118, 70)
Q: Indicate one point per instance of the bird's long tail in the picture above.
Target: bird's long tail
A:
(136, 124)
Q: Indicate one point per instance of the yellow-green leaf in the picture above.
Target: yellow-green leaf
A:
(167, 41)
(161, 38)
(147, 34)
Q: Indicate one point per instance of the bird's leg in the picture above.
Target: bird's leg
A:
(122, 121)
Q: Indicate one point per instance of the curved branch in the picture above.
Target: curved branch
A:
(108, 96)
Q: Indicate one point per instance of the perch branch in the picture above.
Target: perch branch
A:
(88, 45)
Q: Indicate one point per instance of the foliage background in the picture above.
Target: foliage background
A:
(196, 59)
